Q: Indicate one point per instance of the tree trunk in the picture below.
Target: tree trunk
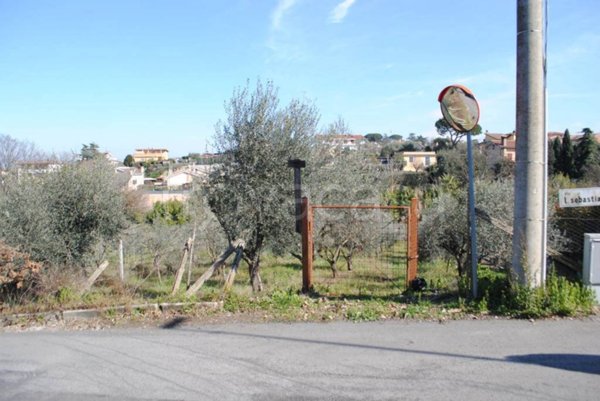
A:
(252, 257)
(156, 266)
(253, 270)
(458, 267)
(333, 266)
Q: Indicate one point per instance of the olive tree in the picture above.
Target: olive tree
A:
(335, 175)
(209, 233)
(251, 193)
(64, 216)
(444, 228)
(454, 162)
(154, 245)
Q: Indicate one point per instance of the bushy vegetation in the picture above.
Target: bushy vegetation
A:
(444, 229)
(58, 226)
(170, 212)
(65, 217)
(18, 273)
(557, 297)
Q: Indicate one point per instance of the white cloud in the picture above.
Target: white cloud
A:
(282, 8)
(340, 11)
(284, 42)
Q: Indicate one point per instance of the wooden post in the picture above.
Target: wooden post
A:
(121, 261)
(189, 275)
(207, 274)
(413, 246)
(297, 165)
(307, 245)
(90, 281)
(179, 274)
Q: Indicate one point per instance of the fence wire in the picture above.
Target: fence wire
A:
(565, 235)
(360, 252)
(567, 227)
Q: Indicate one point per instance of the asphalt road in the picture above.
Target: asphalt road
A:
(461, 360)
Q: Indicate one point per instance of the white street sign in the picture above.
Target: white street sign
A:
(579, 197)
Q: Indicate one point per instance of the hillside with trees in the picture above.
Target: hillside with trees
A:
(68, 223)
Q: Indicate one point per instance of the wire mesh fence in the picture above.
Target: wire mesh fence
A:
(154, 252)
(565, 235)
(567, 227)
(360, 251)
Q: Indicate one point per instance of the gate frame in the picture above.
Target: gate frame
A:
(412, 250)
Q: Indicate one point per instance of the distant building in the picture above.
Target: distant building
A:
(35, 167)
(574, 138)
(131, 177)
(110, 158)
(417, 161)
(148, 155)
(350, 142)
(184, 177)
(202, 171)
(504, 143)
(179, 179)
(204, 158)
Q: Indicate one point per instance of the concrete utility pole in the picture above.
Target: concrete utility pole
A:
(530, 180)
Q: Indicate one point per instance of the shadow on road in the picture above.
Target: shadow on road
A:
(174, 323)
(573, 362)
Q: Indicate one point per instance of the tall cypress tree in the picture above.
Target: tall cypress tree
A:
(566, 158)
(555, 156)
(585, 152)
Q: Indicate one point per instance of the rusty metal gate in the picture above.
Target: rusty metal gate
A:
(307, 227)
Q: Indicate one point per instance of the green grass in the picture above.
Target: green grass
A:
(373, 290)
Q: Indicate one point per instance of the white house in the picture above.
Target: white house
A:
(110, 158)
(178, 179)
(133, 177)
(350, 142)
(417, 161)
(34, 167)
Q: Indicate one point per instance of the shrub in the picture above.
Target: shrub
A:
(17, 272)
(284, 300)
(62, 217)
(170, 212)
(558, 297)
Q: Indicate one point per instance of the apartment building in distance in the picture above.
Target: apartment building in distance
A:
(148, 155)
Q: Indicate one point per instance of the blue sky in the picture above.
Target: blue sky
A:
(148, 73)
